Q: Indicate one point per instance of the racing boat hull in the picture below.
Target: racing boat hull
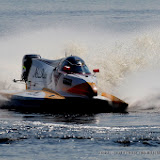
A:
(46, 102)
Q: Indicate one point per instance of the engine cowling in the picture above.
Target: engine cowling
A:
(26, 65)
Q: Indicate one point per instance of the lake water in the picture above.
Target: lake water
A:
(119, 37)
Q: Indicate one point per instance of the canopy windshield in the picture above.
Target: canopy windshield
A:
(76, 64)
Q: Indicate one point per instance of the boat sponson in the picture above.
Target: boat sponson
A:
(68, 105)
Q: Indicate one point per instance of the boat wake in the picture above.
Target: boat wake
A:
(142, 91)
(3, 100)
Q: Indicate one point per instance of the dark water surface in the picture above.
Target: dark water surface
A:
(100, 136)
(84, 27)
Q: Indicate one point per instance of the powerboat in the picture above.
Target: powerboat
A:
(65, 85)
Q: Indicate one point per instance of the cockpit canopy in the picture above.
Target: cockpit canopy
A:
(75, 64)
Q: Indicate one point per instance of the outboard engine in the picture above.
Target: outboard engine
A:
(26, 65)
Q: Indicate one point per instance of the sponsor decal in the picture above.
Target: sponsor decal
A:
(33, 93)
(40, 73)
(67, 81)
